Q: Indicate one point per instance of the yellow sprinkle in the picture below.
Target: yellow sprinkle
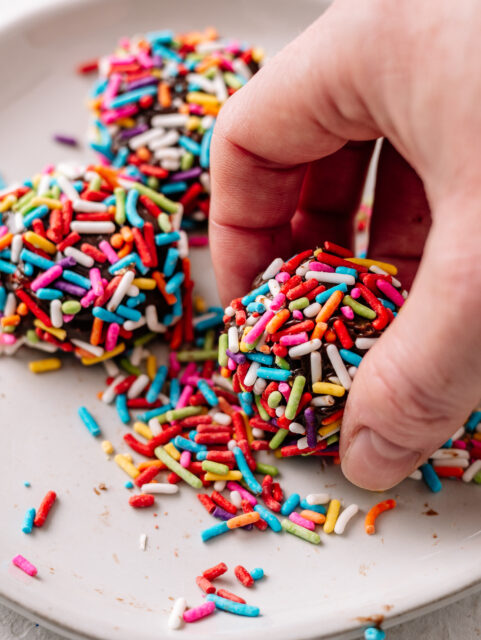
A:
(332, 516)
(248, 428)
(36, 179)
(193, 123)
(126, 465)
(41, 366)
(200, 304)
(202, 98)
(151, 366)
(232, 475)
(330, 428)
(329, 389)
(108, 447)
(143, 430)
(258, 54)
(125, 123)
(172, 451)
(144, 283)
(128, 457)
(367, 262)
(7, 203)
(60, 334)
(50, 202)
(39, 242)
(246, 347)
(277, 453)
(106, 356)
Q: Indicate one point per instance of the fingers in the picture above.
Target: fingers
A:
(285, 117)
(419, 382)
(400, 218)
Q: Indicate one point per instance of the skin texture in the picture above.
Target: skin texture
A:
(289, 156)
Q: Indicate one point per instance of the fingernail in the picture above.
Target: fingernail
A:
(374, 463)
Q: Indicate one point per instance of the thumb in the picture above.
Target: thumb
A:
(417, 385)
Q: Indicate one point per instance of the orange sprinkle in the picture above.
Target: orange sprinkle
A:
(151, 463)
(241, 521)
(6, 240)
(126, 249)
(96, 333)
(10, 321)
(22, 309)
(330, 336)
(117, 240)
(319, 330)
(278, 320)
(176, 339)
(159, 279)
(108, 174)
(127, 234)
(225, 407)
(144, 154)
(332, 418)
(331, 305)
(184, 108)
(313, 516)
(374, 512)
(225, 373)
(165, 98)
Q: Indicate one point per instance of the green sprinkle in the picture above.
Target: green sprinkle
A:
(295, 397)
(197, 355)
(95, 183)
(177, 468)
(209, 340)
(32, 336)
(267, 469)
(185, 412)
(274, 398)
(119, 205)
(186, 161)
(55, 190)
(223, 342)
(153, 182)
(146, 338)
(232, 80)
(24, 200)
(262, 412)
(129, 367)
(9, 329)
(282, 363)
(477, 478)
(71, 307)
(358, 308)
(300, 532)
(300, 303)
(332, 439)
(278, 439)
(215, 467)
(164, 222)
(164, 203)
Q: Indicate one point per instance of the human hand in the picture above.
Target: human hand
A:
(283, 179)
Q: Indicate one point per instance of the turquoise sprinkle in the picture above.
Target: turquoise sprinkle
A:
(128, 313)
(121, 158)
(473, 421)
(129, 484)
(209, 323)
(89, 421)
(131, 209)
(28, 269)
(263, 358)
(215, 530)
(431, 478)
(166, 238)
(256, 307)
(157, 384)
(132, 96)
(246, 406)
(154, 413)
(189, 145)
(27, 484)
(347, 271)
(257, 573)
(207, 392)
(103, 149)
(325, 295)
(98, 88)
(247, 474)
(373, 633)
(49, 294)
(290, 504)
(136, 300)
(7, 267)
(38, 261)
(273, 374)
(106, 316)
(3, 297)
(160, 37)
(318, 508)
(387, 303)
(269, 517)
(170, 262)
(129, 259)
(174, 187)
(350, 357)
(122, 409)
(35, 214)
(175, 282)
(76, 278)
(163, 52)
(201, 455)
(233, 607)
(109, 201)
(174, 393)
(260, 291)
(27, 525)
(205, 149)
(188, 445)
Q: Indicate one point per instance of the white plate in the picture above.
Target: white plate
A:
(93, 579)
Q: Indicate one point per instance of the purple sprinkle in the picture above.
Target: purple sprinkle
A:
(310, 427)
(157, 60)
(239, 358)
(130, 133)
(68, 261)
(222, 514)
(70, 288)
(68, 140)
(143, 82)
(186, 175)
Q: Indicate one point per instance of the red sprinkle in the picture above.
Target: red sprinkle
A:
(44, 508)
(243, 576)
(141, 500)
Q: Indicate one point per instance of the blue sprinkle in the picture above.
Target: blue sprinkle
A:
(188, 445)
(7, 267)
(27, 525)
(175, 282)
(134, 301)
(245, 401)
(3, 297)
(103, 149)
(76, 278)
(269, 517)
(174, 187)
(350, 357)
(164, 52)
(260, 291)
(257, 573)
(473, 421)
(122, 409)
(373, 633)
(325, 295)
(170, 261)
(290, 504)
(247, 474)
(387, 303)
(98, 88)
(346, 271)
(160, 37)
(256, 307)
(166, 238)
(215, 530)
(273, 374)
(129, 484)
(49, 294)
(431, 478)
(35, 214)
(132, 96)
(174, 393)
(207, 392)
(189, 145)
(106, 316)
(208, 323)
(127, 312)
(157, 384)
(131, 209)
(205, 149)
(318, 508)
(154, 413)
(201, 455)
(121, 158)
(233, 607)
(89, 421)
(38, 261)
(109, 201)
(263, 358)
(192, 435)
(28, 269)
(27, 484)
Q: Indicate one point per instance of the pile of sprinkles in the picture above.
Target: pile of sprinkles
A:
(91, 260)
(155, 106)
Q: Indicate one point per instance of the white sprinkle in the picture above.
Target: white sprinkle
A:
(159, 487)
(137, 355)
(273, 269)
(229, 311)
(471, 471)
(251, 320)
(458, 434)
(274, 286)
(233, 339)
(80, 257)
(204, 83)
(326, 276)
(280, 411)
(153, 321)
(207, 122)
(69, 170)
(10, 304)
(167, 140)
(176, 616)
(109, 394)
(17, 226)
(365, 343)
(302, 269)
(306, 347)
(210, 46)
(322, 401)
(142, 541)
(334, 380)
(258, 434)
(302, 442)
(121, 290)
(241, 68)
(348, 513)
(205, 181)
(375, 269)
(169, 153)
(169, 120)
(138, 386)
(318, 498)
(251, 375)
(111, 368)
(11, 349)
(15, 248)
(145, 138)
(219, 485)
(259, 386)
(312, 310)
(43, 184)
(416, 475)
(94, 350)
(92, 227)
(130, 325)
(316, 366)
(296, 427)
(338, 366)
(87, 206)
(183, 244)
(352, 371)
(231, 445)
(463, 463)
(56, 316)
(67, 188)
(441, 454)
(169, 165)
(236, 499)
(176, 218)
(220, 381)
(155, 426)
(41, 346)
(220, 89)
(221, 418)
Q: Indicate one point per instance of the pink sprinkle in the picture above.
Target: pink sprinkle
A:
(297, 315)
(47, 277)
(234, 486)
(285, 389)
(107, 250)
(196, 109)
(347, 312)
(355, 293)
(189, 371)
(112, 336)
(124, 43)
(23, 564)
(185, 457)
(187, 391)
(68, 318)
(50, 168)
(390, 292)
(7, 338)
(295, 338)
(3, 231)
(227, 65)
(111, 115)
(192, 615)
(174, 365)
(96, 280)
(282, 276)
(259, 327)
(144, 59)
(302, 522)
(88, 299)
(111, 90)
(198, 241)
(277, 302)
(231, 364)
(460, 444)
(320, 266)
